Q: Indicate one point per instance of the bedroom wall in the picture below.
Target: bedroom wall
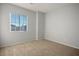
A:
(10, 38)
(62, 25)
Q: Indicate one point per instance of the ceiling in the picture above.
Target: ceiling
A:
(42, 7)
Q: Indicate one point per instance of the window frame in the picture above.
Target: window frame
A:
(10, 14)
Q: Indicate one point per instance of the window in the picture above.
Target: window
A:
(18, 22)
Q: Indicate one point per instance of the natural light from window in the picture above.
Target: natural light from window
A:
(18, 22)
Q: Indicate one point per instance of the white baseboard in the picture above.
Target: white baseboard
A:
(64, 44)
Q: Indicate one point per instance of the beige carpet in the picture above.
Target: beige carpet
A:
(39, 48)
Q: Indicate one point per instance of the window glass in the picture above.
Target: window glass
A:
(19, 22)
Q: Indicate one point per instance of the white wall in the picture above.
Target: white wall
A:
(9, 38)
(62, 25)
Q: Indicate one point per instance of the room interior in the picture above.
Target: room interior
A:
(39, 29)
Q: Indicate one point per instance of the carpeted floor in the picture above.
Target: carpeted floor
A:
(39, 48)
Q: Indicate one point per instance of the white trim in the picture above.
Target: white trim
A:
(62, 43)
(10, 21)
(27, 23)
(36, 25)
